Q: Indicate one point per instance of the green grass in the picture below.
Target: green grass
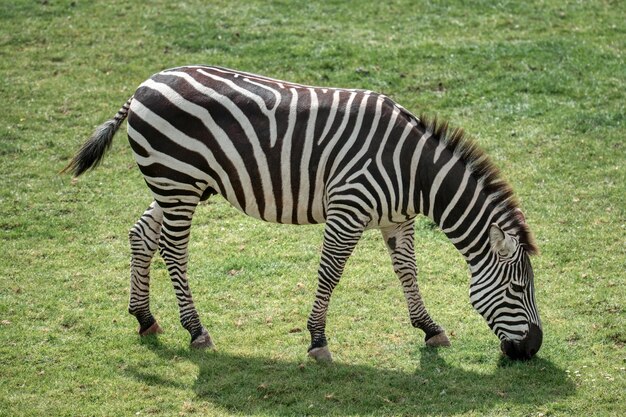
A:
(540, 85)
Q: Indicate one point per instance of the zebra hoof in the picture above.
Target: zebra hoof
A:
(321, 354)
(440, 339)
(203, 341)
(154, 329)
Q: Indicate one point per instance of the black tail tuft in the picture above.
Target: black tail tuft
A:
(92, 151)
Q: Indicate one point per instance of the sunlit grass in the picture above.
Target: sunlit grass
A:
(540, 85)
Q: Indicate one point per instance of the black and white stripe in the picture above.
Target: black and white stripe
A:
(296, 154)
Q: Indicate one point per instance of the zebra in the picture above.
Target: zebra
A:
(296, 154)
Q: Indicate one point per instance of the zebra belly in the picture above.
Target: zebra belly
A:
(287, 213)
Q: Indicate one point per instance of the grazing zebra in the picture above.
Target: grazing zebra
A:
(296, 154)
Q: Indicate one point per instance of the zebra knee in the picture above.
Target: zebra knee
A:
(145, 234)
(138, 239)
(141, 251)
(134, 235)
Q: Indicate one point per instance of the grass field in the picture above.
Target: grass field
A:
(540, 85)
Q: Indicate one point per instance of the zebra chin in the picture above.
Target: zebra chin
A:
(525, 348)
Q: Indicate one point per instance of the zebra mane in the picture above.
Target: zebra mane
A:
(486, 173)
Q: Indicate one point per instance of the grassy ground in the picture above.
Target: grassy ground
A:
(539, 84)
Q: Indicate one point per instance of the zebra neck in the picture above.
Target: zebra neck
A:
(452, 196)
(461, 190)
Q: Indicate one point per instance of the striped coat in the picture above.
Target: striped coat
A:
(296, 154)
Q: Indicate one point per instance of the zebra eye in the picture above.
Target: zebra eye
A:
(517, 287)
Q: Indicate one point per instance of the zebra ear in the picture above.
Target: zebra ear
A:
(501, 243)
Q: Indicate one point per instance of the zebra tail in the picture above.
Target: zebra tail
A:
(93, 150)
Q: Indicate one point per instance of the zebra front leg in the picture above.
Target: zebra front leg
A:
(144, 241)
(341, 235)
(399, 241)
(173, 247)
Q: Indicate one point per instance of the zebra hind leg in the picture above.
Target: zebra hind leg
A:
(399, 241)
(173, 246)
(144, 241)
(341, 235)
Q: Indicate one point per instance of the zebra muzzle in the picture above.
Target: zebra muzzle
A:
(527, 347)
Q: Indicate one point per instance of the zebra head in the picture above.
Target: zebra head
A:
(502, 291)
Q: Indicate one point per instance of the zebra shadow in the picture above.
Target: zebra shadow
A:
(260, 386)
